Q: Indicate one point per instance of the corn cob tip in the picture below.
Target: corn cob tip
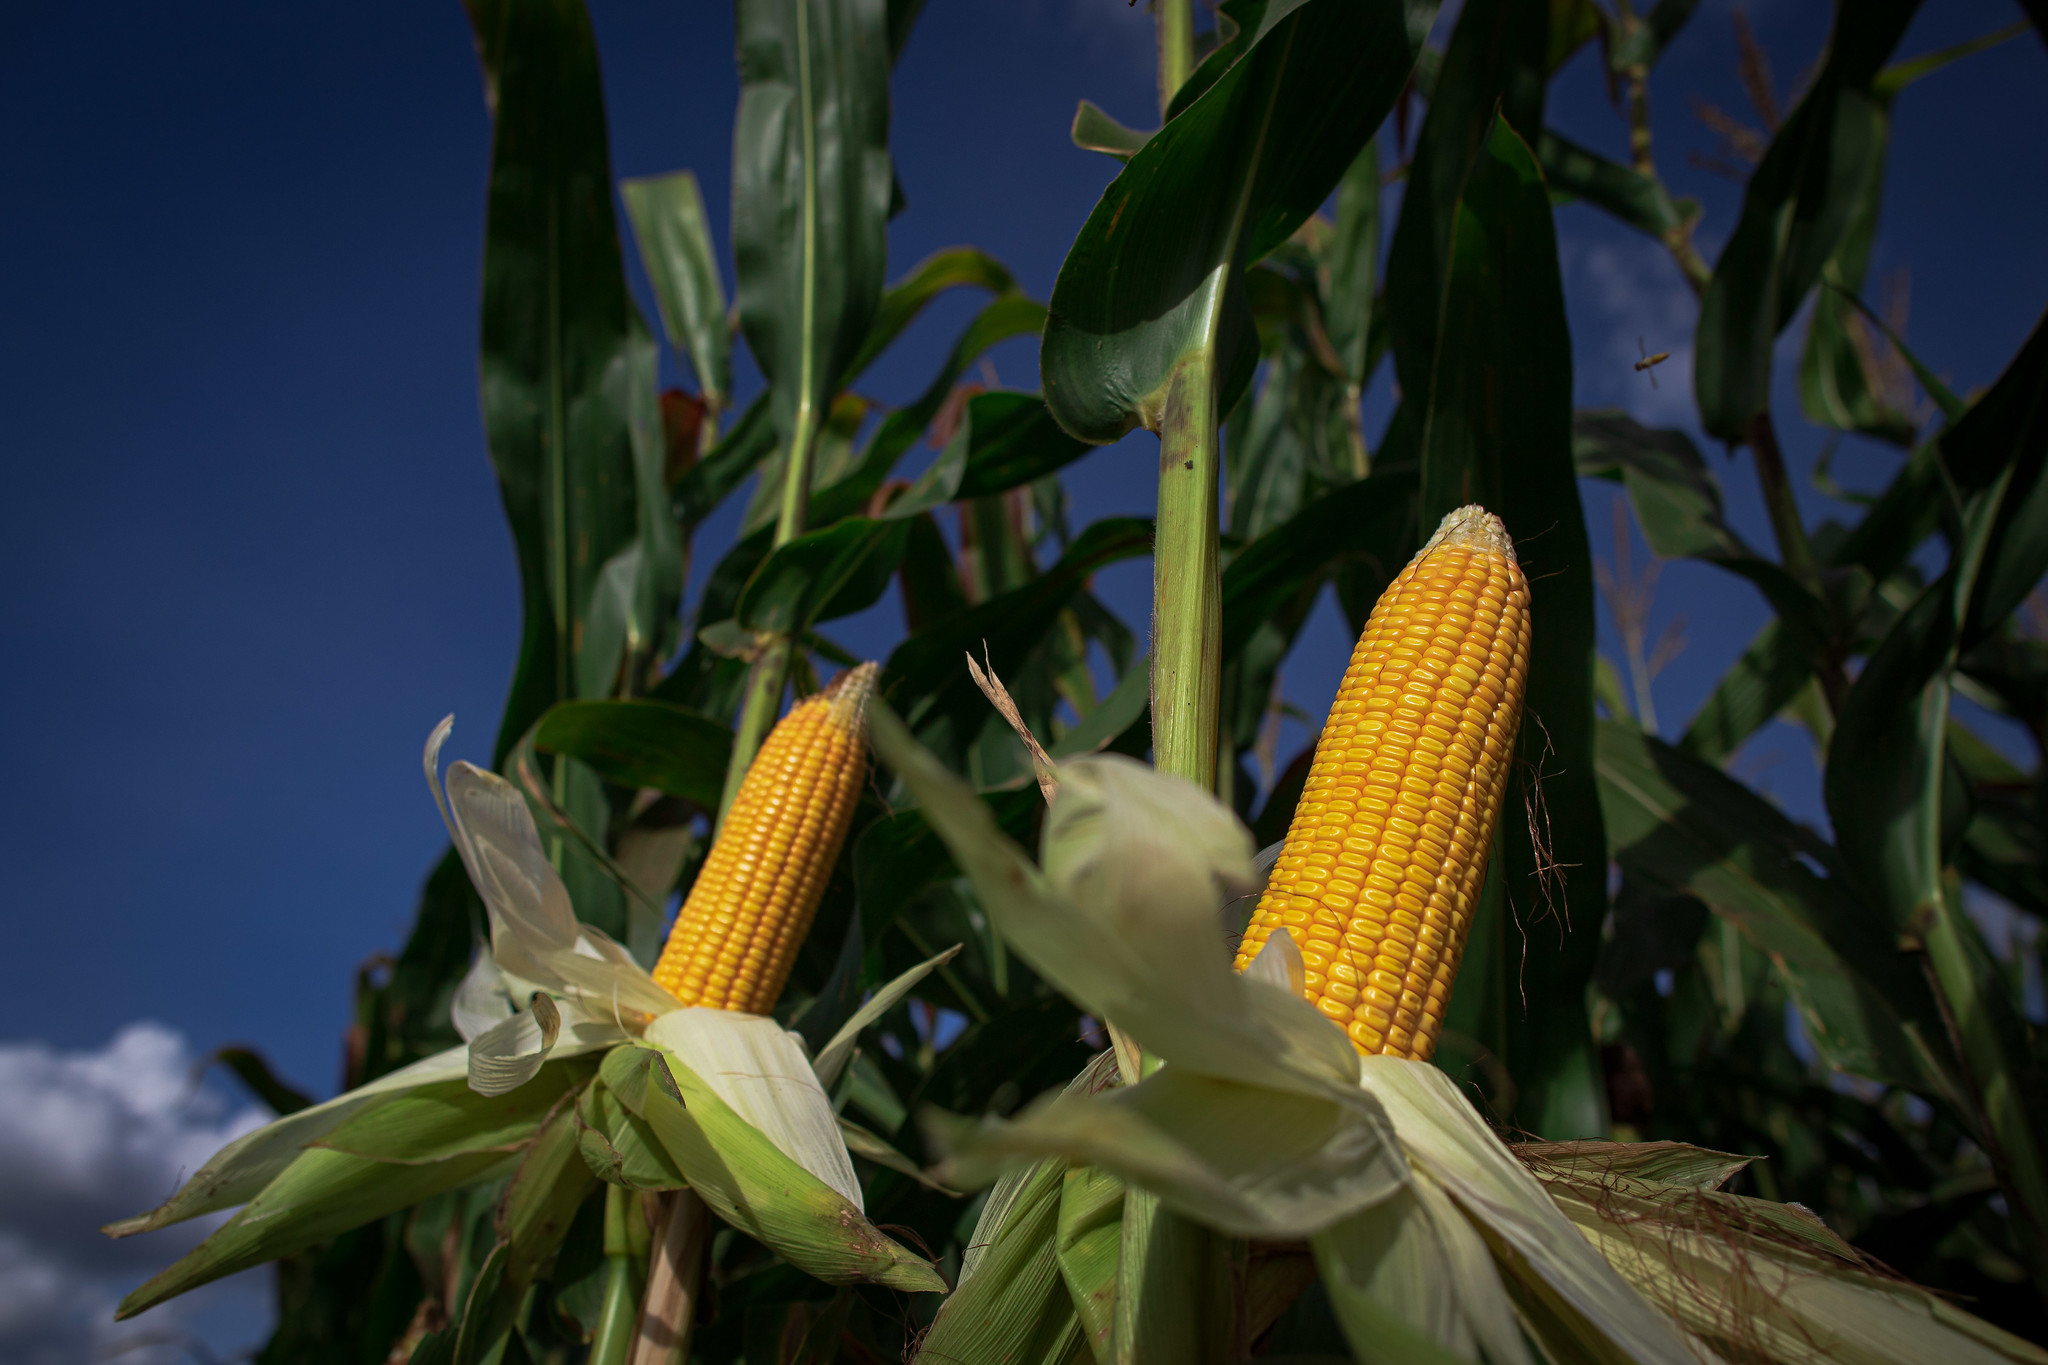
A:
(849, 694)
(1474, 527)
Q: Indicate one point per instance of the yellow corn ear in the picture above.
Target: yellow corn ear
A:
(738, 932)
(1387, 851)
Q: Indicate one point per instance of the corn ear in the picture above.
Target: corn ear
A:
(1387, 851)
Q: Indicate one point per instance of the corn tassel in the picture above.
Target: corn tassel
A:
(1387, 850)
(739, 930)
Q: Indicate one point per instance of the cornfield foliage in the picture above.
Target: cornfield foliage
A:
(1711, 972)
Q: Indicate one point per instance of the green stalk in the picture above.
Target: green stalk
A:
(1175, 20)
(771, 669)
(1187, 581)
(623, 1253)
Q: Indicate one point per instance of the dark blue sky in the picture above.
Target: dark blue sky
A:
(251, 548)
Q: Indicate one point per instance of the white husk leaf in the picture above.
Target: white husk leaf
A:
(509, 1054)
(1445, 1137)
(1248, 1160)
(483, 1000)
(1279, 964)
(759, 1070)
(1124, 922)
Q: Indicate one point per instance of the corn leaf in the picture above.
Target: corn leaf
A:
(753, 1184)
(1152, 278)
(1746, 1280)
(1247, 1160)
(557, 323)
(1124, 921)
(682, 264)
(1011, 1307)
(759, 1072)
(830, 572)
(618, 1145)
(1639, 200)
(832, 1057)
(239, 1171)
(541, 1201)
(811, 190)
(446, 1120)
(1797, 208)
(1091, 1225)
(1409, 1279)
(641, 744)
(953, 268)
(318, 1196)
(1497, 56)
(1531, 1240)
(923, 677)
(1679, 826)
(1497, 431)
(1887, 766)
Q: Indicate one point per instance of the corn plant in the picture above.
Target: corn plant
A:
(891, 1088)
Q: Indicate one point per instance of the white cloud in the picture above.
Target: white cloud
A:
(86, 1138)
(1626, 297)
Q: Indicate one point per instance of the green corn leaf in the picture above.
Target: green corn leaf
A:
(641, 744)
(1247, 1160)
(1351, 265)
(1837, 378)
(726, 466)
(241, 1170)
(447, 1120)
(1643, 43)
(1152, 278)
(1011, 1307)
(831, 572)
(1096, 131)
(1678, 504)
(558, 329)
(1887, 766)
(954, 268)
(1007, 316)
(1411, 1280)
(811, 191)
(924, 676)
(1639, 200)
(752, 1185)
(1090, 1234)
(2007, 429)
(900, 855)
(1113, 716)
(1372, 520)
(550, 1184)
(682, 264)
(1777, 666)
(1498, 432)
(1497, 58)
(618, 1145)
(1796, 211)
(318, 1196)
(1014, 442)
(1680, 827)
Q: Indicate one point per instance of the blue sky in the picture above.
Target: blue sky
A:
(251, 548)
